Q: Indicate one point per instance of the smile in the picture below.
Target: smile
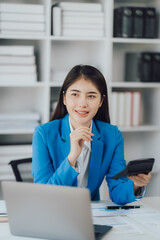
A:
(82, 113)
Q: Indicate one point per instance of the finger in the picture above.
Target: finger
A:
(81, 136)
(83, 130)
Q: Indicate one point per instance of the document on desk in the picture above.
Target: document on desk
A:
(99, 210)
(151, 221)
(121, 225)
(3, 209)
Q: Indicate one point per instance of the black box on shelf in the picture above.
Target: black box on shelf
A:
(123, 22)
(131, 67)
(145, 66)
(156, 67)
(150, 23)
(138, 22)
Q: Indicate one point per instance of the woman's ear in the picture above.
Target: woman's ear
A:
(102, 101)
(64, 98)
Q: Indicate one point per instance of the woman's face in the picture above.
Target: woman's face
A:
(82, 100)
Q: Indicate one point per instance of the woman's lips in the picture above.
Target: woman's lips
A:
(82, 113)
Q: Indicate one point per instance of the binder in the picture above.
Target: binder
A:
(123, 22)
(138, 22)
(131, 66)
(150, 23)
(156, 68)
(145, 67)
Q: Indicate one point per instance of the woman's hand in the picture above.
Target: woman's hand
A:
(140, 180)
(77, 138)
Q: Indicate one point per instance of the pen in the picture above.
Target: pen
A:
(122, 207)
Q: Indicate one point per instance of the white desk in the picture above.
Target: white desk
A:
(145, 235)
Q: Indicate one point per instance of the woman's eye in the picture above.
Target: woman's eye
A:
(74, 94)
(91, 96)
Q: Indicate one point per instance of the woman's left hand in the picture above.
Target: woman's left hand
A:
(140, 180)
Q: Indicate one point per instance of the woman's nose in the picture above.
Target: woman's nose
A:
(82, 102)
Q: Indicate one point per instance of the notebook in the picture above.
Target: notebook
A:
(50, 212)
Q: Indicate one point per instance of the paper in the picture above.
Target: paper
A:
(99, 210)
(151, 221)
(3, 209)
(119, 223)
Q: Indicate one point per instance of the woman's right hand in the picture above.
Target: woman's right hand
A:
(77, 139)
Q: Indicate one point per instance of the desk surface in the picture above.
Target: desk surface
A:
(146, 234)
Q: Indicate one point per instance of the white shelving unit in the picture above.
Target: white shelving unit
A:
(106, 53)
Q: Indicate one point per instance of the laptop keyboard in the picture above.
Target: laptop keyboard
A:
(100, 231)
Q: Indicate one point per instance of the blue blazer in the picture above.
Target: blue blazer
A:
(51, 146)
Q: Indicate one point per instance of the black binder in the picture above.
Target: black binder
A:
(138, 22)
(123, 22)
(145, 67)
(156, 68)
(150, 23)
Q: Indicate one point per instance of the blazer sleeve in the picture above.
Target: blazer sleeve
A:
(42, 167)
(122, 190)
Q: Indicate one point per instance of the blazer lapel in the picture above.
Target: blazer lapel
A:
(95, 160)
(65, 132)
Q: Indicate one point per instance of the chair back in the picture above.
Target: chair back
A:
(22, 169)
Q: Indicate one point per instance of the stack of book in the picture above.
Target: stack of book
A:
(78, 19)
(19, 121)
(22, 19)
(126, 108)
(17, 65)
(13, 152)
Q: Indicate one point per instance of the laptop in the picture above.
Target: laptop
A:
(50, 212)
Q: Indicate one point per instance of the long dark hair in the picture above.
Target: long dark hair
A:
(96, 77)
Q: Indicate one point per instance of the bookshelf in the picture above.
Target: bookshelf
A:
(54, 53)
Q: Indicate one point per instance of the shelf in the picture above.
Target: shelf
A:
(134, 85)
(143, 128)
(136, 40)
(62, 38)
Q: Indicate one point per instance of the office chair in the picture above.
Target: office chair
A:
(22, 169)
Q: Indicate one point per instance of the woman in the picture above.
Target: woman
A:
(79, 146)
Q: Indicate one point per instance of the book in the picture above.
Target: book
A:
(20, 32)
(83, 14)
(136, 108)
(82, 20)
(22, 26)
(56, 21)
(17, 50)
(14, 17)
(17, 69)
(16, 79)
(74, 32)
(19, 60)
(30, 116)
(138, 22)
(85, 7)
(123, 22)
(114, 109)
(128, 108)
(121, 109)
(22, 8)
(150, 23)
(15, 150)
(83, 26)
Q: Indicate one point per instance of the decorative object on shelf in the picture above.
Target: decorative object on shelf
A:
(135, 22)
(77, 19)
(143, 67)
(17, 65)
(126, 110)
(22, 19)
